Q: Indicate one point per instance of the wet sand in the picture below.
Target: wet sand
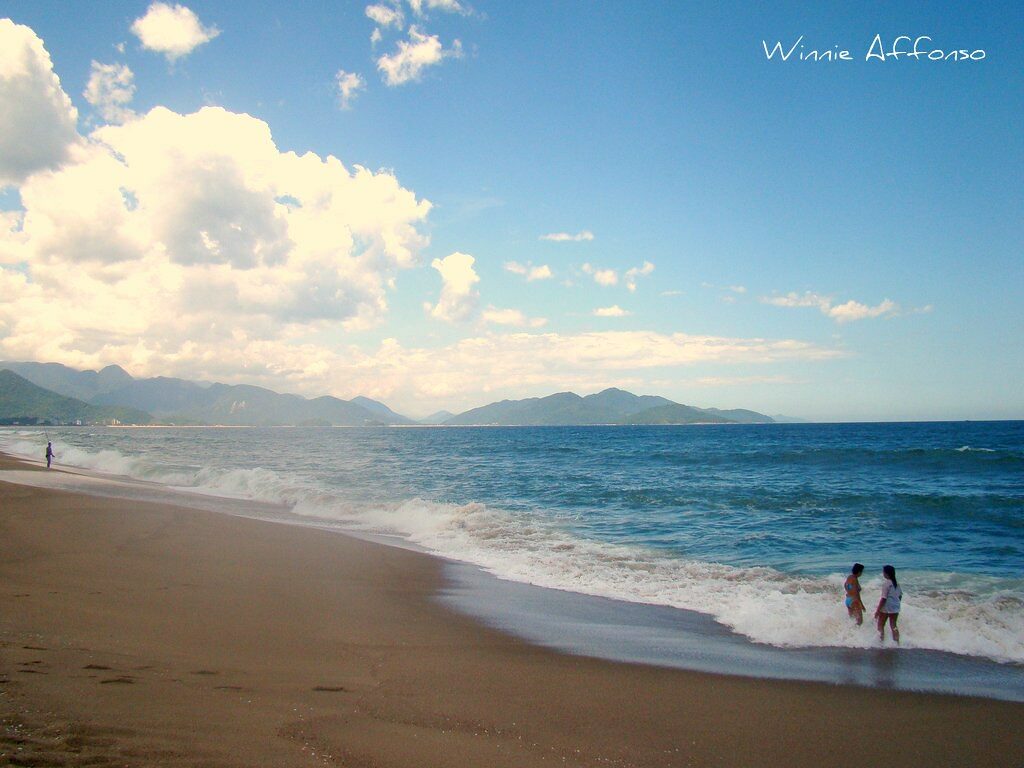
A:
(136, 633)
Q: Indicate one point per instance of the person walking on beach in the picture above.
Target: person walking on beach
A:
(49, 453)
(854, 604)
(889, 606)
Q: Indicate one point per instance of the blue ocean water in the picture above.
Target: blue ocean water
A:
(754, 526)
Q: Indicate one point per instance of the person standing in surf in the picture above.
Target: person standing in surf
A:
(49, 453)
(889, 606)
(854, 604)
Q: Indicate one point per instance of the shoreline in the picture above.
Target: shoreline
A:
(584, 624)
(147, 633)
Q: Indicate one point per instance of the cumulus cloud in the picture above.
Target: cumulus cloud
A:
(191, 243)
(385, 15)
(172, 30)
(419, 7)
(415, 55)
(605, 277)
(512, 317)
(613, 311)
(110, 90)
(842, 313)
(349, 84)
(530, 272)
(564, 237)
(37, 119)
(637, 272)
(854, 310)
(459, 296)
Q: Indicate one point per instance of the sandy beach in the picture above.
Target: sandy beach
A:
(136, 634)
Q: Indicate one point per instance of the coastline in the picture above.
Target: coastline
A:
(146, 633)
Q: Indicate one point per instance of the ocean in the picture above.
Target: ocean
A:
(748, 530)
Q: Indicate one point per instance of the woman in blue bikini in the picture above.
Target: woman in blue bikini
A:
(854, 605)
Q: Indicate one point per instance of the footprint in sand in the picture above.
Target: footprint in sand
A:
(95, 666)
(122, 680)
(205, 672)
(330, 688)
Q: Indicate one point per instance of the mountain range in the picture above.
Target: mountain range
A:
(178, 401)
(22, 402)
(54, 393)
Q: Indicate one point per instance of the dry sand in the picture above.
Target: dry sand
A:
(136, 634)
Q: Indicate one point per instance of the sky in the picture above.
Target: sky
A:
(443, 203)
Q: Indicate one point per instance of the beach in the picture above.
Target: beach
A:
(138, 633)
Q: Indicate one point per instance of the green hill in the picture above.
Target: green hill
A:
(22, 402)
(562, 409)
(611, 406)
(674, 413)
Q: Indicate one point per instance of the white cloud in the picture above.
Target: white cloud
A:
(605, 277)
(385, 15)
(512, 317)
(543, 272)
(349, 84)
(853, 310)
(842, 313)
(738, 288)
(459, 296)
(450, 6)
(37, 119)
(415, 55)
(564, 237)
(110, 90)
(794, 299)
(190, 242)
(636, 272)
(530, 272)
(172, 30)
(613, 311)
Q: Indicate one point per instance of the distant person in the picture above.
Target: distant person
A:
(49, 453)
(889, 606)
(854, 605)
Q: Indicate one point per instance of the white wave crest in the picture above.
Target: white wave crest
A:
(763, 604)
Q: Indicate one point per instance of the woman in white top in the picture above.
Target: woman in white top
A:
(889, 606)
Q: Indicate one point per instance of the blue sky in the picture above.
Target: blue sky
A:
(834, 240)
